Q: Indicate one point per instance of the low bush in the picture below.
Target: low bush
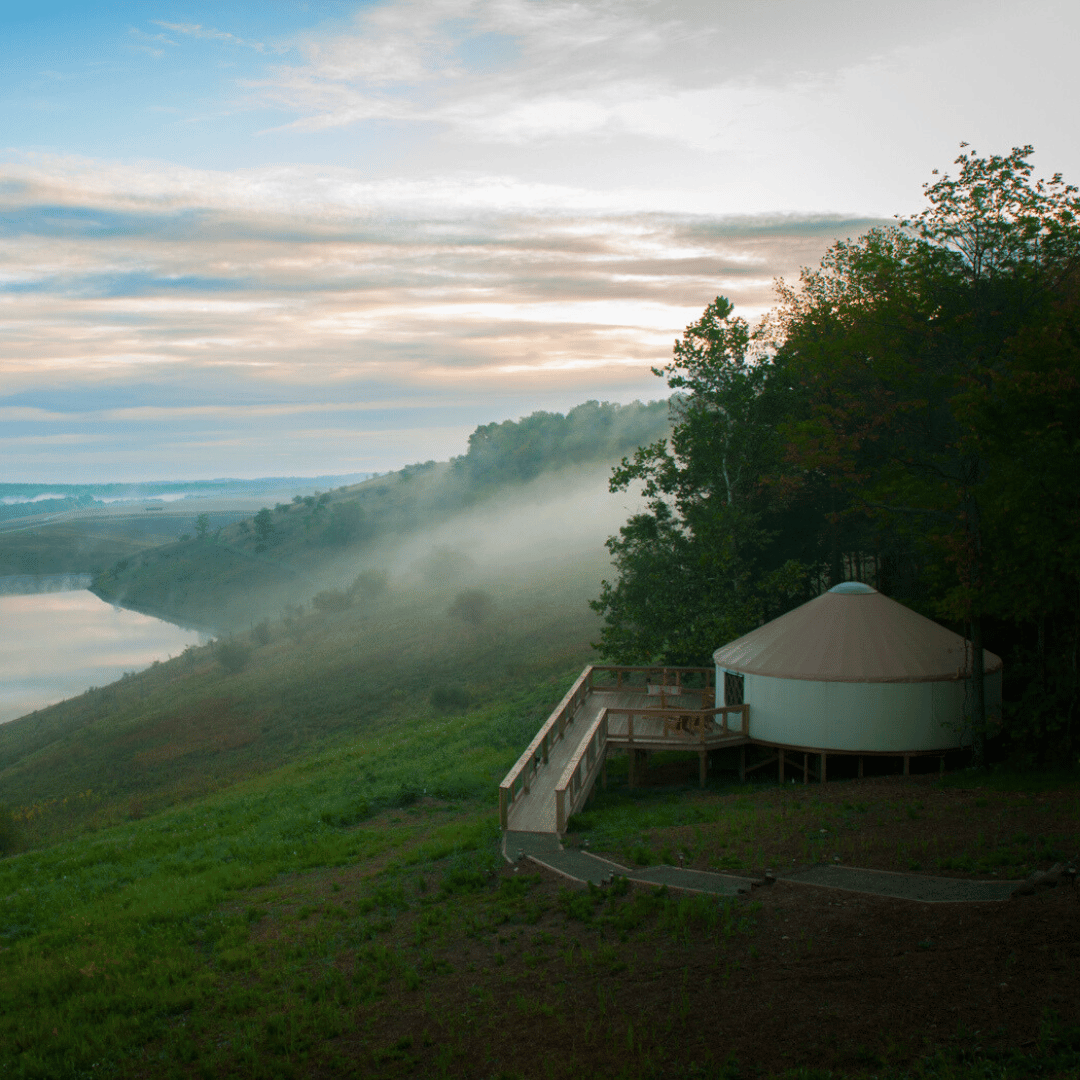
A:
(233, 655)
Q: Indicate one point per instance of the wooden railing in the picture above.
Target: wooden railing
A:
(519, 778)
(670, 678)
(580, 774)
(692, 723)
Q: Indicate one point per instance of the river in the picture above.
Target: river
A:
(59, 641)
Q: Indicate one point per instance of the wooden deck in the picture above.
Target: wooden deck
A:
(555, 775)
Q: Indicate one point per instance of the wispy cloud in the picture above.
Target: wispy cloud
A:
(268, 296)
(501, 70)
(196, 30)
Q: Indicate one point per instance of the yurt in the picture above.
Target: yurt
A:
(854, 672)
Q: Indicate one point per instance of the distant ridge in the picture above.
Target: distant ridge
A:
(258, 565)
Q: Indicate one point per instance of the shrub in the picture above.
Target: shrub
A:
(369, 586)
(473, 606)
(446, 698)
(233, 655)
(332, 600)
(264, 523)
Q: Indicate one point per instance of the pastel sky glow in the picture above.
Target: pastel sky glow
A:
(288, 238)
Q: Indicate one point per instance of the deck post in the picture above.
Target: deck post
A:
(504, 809)
(941, 765)
(823, 757)
(907, 764)
(742, 764)
(703, 765)
(805, 767)
(860, 766)
(630, 754)
(780, 764)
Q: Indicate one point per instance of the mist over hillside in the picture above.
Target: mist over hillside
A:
(525, 494)
(460, 585)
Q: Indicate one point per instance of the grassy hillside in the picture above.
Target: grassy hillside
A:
(349, 914)
(349, 667)
(278, 854)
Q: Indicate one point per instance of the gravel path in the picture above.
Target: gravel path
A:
(578, 865)
(928, 890)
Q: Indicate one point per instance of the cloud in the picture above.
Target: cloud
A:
(208, 33)
(254, 309)
(495, 69)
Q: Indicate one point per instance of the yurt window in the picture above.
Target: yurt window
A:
(733, 688)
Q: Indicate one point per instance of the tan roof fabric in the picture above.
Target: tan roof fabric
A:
(851, 637)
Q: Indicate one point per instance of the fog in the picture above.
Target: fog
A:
(552, 529)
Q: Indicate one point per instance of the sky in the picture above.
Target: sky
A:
(279, 238)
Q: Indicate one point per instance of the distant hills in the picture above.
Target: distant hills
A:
(27, 500)
(242, 570)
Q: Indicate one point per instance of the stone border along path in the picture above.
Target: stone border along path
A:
(581, 866)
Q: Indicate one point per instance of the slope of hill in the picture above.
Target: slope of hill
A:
(283, 555)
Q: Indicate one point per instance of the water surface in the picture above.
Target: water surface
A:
(54, 645)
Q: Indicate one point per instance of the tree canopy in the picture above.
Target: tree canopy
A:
(908, 415)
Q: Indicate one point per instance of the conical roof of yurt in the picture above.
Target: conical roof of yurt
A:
(852, 633)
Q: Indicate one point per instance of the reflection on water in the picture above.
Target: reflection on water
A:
(54, 645)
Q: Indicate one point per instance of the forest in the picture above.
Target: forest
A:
(906, 415)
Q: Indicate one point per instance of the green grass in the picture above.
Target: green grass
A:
(158, 815)
(143, 949)
(107, 938)
(1005, 779)
(1006, 829)
(323, 682)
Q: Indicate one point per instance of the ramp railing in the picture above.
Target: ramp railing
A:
(581, 772)
(519, 779)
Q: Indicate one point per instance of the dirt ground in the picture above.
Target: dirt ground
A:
(823, 980)
(819, 979)
(790, 977)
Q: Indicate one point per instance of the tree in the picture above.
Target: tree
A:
(906, 341)
(909, 414)
(232, 655)
(264, 524)
(202, 526)
(697, 567)
(347, 524)
(473, 606)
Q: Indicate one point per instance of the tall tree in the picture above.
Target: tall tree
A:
(690, 567)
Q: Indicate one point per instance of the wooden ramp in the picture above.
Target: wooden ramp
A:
(554, 776)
